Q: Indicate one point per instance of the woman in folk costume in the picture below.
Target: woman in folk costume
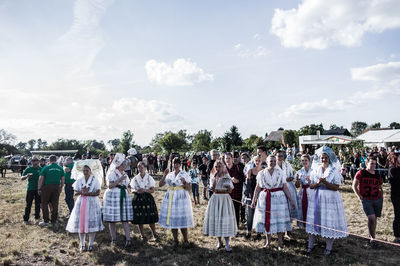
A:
(325, 206)
(270, 200)
(288, 171)
(117, 205)
(220, 219)
(85, 217)
(303, 181)
(144, 206)
(176, 209)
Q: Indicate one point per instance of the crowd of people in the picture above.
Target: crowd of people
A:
(259, 190)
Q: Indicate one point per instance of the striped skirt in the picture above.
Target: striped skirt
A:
(112, 206)
(280, 217)
(220, 216)
(179, 214)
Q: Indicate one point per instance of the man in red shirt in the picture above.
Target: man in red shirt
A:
(367, 185)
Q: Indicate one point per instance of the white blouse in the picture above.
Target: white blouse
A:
(331, 174)
(286, 168)
(302, 175)
(93, 184)
(266, 180)
(115, 175)
(222, 182)
(146, 182)
(175, 180)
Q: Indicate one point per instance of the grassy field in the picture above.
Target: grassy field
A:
(31, 244)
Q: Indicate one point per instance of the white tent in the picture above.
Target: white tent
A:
(380, 137)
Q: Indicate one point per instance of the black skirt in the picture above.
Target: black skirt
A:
(144, 209)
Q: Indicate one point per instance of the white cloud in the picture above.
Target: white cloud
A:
(319, 24)
(245, 52)
(379, 72)
(80, 45)
(183, 72)
(386, 80)
(257, 37)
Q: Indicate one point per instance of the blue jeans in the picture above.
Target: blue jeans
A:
(69, 196)
(195, 190)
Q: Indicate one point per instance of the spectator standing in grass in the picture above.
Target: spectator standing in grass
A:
(85, 217)
(288, 171)
(68, 189)
(144, 206)
(50, 185)
(210, 165)
(204, 177)
(176, 208)
(325, 207)
(117, 205)
(303, 181)
(236, 173)
(251, 182)
(219, 220)
(367, 185)
(271, 203)
(23, 164)
(32, 173)
(394, 179)
(194, 174)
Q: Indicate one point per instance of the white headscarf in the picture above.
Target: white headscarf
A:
(93, 164)
(118, 160)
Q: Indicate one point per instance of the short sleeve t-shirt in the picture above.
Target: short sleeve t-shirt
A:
(52, 174)
(369, 184)
(32, 181)
(68, 179)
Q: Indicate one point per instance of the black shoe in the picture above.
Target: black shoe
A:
(128, 243)
(247, 236)
(258, 237)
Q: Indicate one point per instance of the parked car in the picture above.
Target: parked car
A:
(13, 163)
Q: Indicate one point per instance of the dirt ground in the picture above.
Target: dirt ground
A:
(30, 244)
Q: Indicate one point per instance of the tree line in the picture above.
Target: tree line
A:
(180, 141)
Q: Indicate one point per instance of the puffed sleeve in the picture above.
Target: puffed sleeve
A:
(283, 176)
(112, 177)
(290, 169)
(133, 183)
(77, 185)
(337, 177)
(228, 177)
(96, 185)
(259, 178)
(186, 176)
(152, 183)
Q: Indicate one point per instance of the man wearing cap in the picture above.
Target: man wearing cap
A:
(51, 182)
(32, 174)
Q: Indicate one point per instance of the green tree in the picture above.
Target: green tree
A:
(126, 142)
(174, 142)
(68, 144)
(202, 141)
(357, 127)
(155, 143)
(291, 137)
(41, 144)
(252, 142)
(394, 125)
(31, 144)
(311, 129)
(6, 138)
(335, 127)
(216, 143)
(376, 125)
(21, 146)
(232, 139)
(114, 143)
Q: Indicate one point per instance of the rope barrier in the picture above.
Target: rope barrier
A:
(321, 226)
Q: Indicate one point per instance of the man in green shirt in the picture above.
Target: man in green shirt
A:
(69, 190)
(32, 174)
(50, 185)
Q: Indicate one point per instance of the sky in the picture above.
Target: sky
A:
(92, 69)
